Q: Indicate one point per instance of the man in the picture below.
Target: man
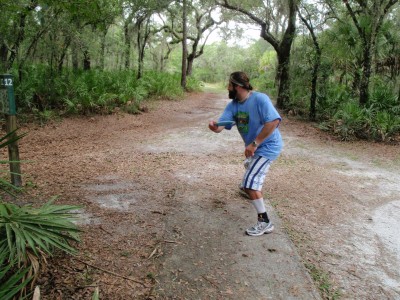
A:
(257, 121)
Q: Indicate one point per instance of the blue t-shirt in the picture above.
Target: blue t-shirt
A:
(250, 118)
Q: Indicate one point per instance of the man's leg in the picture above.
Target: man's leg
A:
(257, 200)
(252, 183)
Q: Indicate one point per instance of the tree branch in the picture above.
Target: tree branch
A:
(265, 34)
(354, 18)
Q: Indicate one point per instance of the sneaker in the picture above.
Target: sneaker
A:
(260, 228)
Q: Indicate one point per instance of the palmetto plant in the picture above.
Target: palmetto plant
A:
(36, 231)
(12, 284)
(348, 120)
(385, 125)
(29, 235)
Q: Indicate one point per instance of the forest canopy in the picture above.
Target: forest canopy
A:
(334, 62)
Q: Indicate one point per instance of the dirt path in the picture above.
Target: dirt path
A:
(161, 208)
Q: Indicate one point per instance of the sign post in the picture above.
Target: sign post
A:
(8, 107)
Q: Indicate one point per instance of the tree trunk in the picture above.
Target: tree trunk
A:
(356, 81)
(284, 57)
(184, 45)
(284, 84)
(317, 63)
(3, 57)
(192, 56)
(21, 33)
(103, 49)
(86, 60)
(282, 49)
(142, 38)
(189, 68)
(314, 82)
(366, 74)
(140, 54)
(127, 46)
(63, 54)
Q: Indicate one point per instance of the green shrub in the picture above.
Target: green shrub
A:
(385, 125)
(383, 98)
(348, 121)
(162, 84)
(28, 235)
(43, 92)
(265, 84)
(194, 85)
(12, 281)
(333, 97)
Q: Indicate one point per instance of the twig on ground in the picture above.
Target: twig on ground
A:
(172, 242)
(210, 281)
(110, 272)
(101, 227)
(154, 252)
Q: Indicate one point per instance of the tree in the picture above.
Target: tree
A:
(278, 26)
(204, 25)
(14, 28)
(184, 45)
(308, 15)
(139, 13)
(368, 17)
(200, 24)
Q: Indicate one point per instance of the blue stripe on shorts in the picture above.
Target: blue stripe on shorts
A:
(255, 174)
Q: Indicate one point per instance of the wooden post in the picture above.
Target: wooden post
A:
(13, 152)
(8, 107)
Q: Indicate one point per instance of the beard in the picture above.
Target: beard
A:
(232, 94)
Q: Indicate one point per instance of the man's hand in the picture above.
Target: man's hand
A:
(214, 127)
(267, 130)
(249, 150)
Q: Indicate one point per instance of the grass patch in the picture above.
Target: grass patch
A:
(214, 88)
(323, 282)
(304, 246)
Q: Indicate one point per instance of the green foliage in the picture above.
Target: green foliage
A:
(94, 91)
(348, 121)
(28, 235)
(351, 121)
(194, 85)
(383, 98)
(10, 285)
(96, 294)
(36, 230)
(385, 125)
(162, 85)
(265, 83)
(220, 59)
(301, 70)
(324, 282)
(333, 96)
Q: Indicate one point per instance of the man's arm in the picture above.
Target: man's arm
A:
(267, 130)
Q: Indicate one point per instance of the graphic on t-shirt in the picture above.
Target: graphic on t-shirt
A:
(242, 122)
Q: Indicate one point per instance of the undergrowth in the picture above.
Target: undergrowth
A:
(46, 95)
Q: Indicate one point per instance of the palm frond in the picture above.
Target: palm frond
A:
(44, 229)
(11, 285)
(10, 138)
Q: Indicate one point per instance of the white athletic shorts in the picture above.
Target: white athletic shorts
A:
(256, 170)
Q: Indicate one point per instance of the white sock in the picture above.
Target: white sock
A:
(259, 205)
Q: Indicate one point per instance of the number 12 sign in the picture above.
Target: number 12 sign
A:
(7, 100)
